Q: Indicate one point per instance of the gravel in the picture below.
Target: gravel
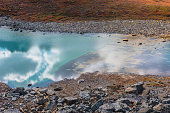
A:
(140, 27)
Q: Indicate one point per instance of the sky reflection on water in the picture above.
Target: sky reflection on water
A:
(38, 58)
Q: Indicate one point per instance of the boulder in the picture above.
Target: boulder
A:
(110, 108)
(85, 94)
(43, 90)
(20, 90)
(136, 88)
(71, 100)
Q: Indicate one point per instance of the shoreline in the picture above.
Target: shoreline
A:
(147, 28)
(93, 93)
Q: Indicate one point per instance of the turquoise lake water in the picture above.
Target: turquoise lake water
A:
(41, 58)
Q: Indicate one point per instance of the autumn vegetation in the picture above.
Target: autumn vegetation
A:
(80, 10)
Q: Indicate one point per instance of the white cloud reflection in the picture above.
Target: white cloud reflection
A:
(36, 55)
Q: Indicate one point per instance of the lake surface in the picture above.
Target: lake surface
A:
(41, 58)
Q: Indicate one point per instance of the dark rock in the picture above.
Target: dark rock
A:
(29, 85)
(40, 108)
(97, 105)
(126, 40)
(140, 43)
(58, 89)
(20, 90)
(136, 88)
(41, 101)
(54, 97)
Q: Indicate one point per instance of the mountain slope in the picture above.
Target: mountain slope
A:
(73, 10)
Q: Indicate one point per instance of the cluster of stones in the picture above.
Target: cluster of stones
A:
(89, 101)
(142, 27)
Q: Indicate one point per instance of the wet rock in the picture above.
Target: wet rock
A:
(71, 100)
(97, 105)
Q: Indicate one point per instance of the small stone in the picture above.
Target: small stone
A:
(134, 35)
(140, 43)
(58, 89)
(125, 40)
(80, 81)
(29, 85)
(33, 93)
(60, 100)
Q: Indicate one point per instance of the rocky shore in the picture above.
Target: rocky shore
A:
(140, 27)
(92, 93)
